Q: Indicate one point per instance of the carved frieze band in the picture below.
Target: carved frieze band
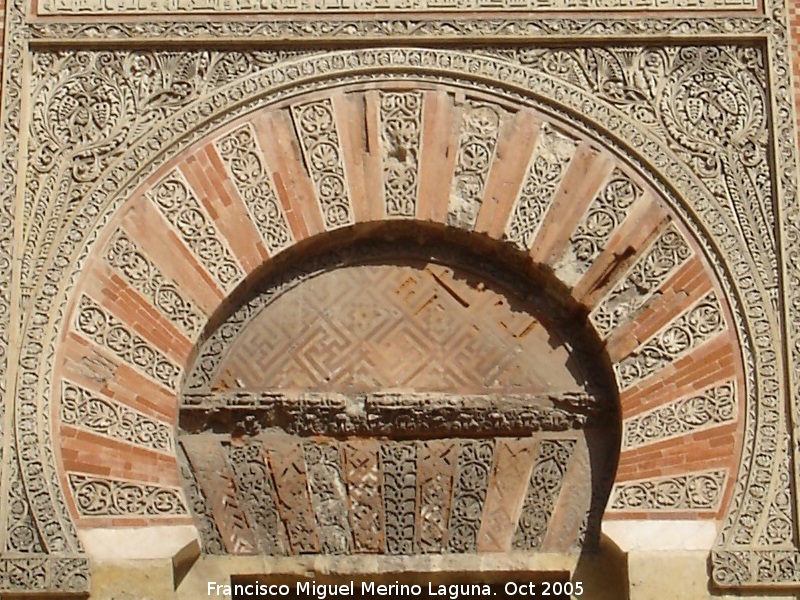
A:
(698, 324)
(180, 206)
(476, 152)
(316, 128)
(401, 130)
(708, 408)
(99, 414)
(693, 491)
(242, 156)
(104, 329)
(661, 259)
(392, 414)
(98, 496)
(200, 7)
(145, 277)
(547, 168)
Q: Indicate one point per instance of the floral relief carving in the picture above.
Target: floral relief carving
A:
(241, 154)
(146, 278)
(107, 331)
(664, 256)
(399, 464)
(695, 491)
(711, 407)
(469, 494)
(547, 168)
(401, 127)
(315, 123)
(91, 411)
(695, 326)
(98, 496)
(179, 205)
(476, 148)
(601, 219)
(546, 478)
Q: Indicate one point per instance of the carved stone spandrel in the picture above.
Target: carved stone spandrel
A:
(217, 481)
(364, 485)
(508, 482)
(436, 468)
(294, 501)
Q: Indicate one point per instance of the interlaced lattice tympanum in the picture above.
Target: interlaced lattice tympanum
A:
(394, 405)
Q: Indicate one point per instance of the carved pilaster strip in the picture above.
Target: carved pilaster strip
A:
(546, 479)
(401, 131)
(210, 537)
(364, 487)
(179, 205)
(218, 482)
(693, 491)
(436, 469)
(244, 160)
(508, 483)
(328, 496)
(469, 494)
(399, 467)
(548, 165)
(294, 501)
(257, 490)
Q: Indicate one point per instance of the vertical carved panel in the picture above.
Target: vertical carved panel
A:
(105, 330)
(603, 216)
(436, 467)
(242, 156)
(294, 502)
(698, 324)
(547, 168)
(254, 481)
(328, 496)
(217, 480)
(469, 495)
(664, 256)
(364, 488)
(210, 537)
(399, 466)
(401, 127)
(146, 278)
(315, 124)
(179, 205)
(476, 147)
(545, 484)
(511, 471)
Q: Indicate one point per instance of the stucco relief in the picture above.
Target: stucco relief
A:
(91, 167)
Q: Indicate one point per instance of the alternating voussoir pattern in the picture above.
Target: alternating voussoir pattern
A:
(289, 173)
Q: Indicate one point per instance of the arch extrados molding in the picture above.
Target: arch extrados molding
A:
(506, 72)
